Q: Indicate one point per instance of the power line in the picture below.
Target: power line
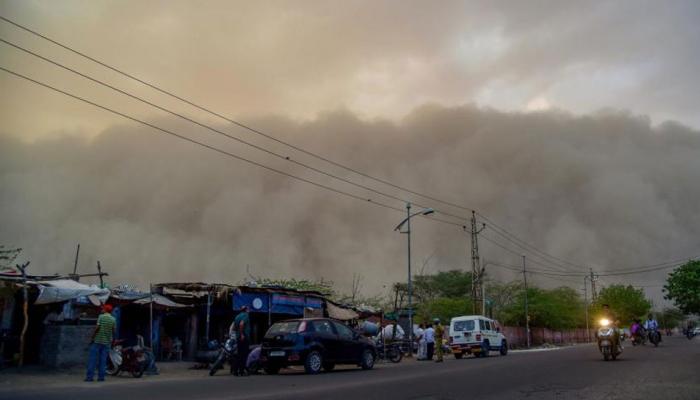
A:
(210, 147)
(270, 137)
(227, 135)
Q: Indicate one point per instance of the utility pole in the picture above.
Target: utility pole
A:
(100, 274)
(527, 316)
(585, 304)
(75, 265)
(477, 272)
(25, 311)
(593, 280)
(410, 283)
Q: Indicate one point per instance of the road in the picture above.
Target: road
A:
(671, 371)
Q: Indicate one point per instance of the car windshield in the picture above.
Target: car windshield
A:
(281, 328)
(460, 326)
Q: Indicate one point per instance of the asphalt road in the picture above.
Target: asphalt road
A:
(671, 371)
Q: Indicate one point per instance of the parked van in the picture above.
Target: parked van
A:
(476, 334)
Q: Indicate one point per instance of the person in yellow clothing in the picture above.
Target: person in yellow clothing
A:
(439, 334)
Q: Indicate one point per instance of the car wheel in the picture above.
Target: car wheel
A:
(271, 369)
(459, 355)
(367, 359)
(485, 348)
(328, 367)
(504, 348)
(313, 362)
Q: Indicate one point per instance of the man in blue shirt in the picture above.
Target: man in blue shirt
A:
(651, 324)
(242, 327)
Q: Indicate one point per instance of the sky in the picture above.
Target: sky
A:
(573, 124)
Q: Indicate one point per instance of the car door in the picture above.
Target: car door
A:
(349, 347)
(325, 334)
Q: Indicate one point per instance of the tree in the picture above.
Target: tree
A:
(8, 256)
(626, 302)
(444, 308)
(670, 318)
(560, 308)
(683, 287)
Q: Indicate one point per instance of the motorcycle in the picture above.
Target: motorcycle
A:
(227, 352)
(129, 359)
(654, 337)
(389, 351)
(608, 341)
(639, 337)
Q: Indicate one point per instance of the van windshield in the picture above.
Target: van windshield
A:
(460, 326)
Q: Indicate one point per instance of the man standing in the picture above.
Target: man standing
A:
(429, 342)
(439, 334)
(100, 343)
(242, 324)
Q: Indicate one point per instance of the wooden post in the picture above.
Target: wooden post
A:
(25, 311)
(99, 272)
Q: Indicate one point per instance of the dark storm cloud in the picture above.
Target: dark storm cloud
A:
(607, 190)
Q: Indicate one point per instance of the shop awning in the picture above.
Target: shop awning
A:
(62, 290)
(340, 313)
(161, 301)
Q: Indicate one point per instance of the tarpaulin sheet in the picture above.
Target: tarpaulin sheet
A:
(66, 289)
(159, 300)
(340, 313)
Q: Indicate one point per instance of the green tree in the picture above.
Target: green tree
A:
(683, 287)
(670, 318)
(626, 302)
(452, 284)
(560, 308)
(444, 308)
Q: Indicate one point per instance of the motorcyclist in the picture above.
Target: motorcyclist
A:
(650, 324)
(607, 314)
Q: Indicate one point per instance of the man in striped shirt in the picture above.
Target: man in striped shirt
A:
(101, 342)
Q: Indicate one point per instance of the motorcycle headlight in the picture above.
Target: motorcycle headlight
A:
(604, 322)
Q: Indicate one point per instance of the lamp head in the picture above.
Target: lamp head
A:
(428, 211)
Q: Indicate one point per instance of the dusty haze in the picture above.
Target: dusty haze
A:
(606, 190)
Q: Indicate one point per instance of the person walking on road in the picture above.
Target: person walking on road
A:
(242, 324)
(100, 344)
(439, 334)
(429, 342)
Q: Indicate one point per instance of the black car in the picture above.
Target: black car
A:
(315, 343)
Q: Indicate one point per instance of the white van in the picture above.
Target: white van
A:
(476, 334)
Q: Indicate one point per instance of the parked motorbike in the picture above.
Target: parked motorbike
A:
(654, 337)
(129, 359)
(389, 351)
(608, 341)
(227, 352)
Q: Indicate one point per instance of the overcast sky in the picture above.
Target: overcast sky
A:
(583, 88)
(375, 58)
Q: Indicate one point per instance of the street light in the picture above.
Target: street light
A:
(407, 221)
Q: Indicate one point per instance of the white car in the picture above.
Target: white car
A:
(476, 334)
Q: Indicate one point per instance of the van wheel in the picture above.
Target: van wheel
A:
(459, 355)
(504, 348)
(313, 363)
(485, 348)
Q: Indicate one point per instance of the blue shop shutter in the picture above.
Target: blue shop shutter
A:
(314, 302)
(288, 304)
(256, 302)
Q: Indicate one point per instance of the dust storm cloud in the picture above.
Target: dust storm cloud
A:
(607, 189)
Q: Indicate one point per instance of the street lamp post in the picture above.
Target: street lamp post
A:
(407, 221)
